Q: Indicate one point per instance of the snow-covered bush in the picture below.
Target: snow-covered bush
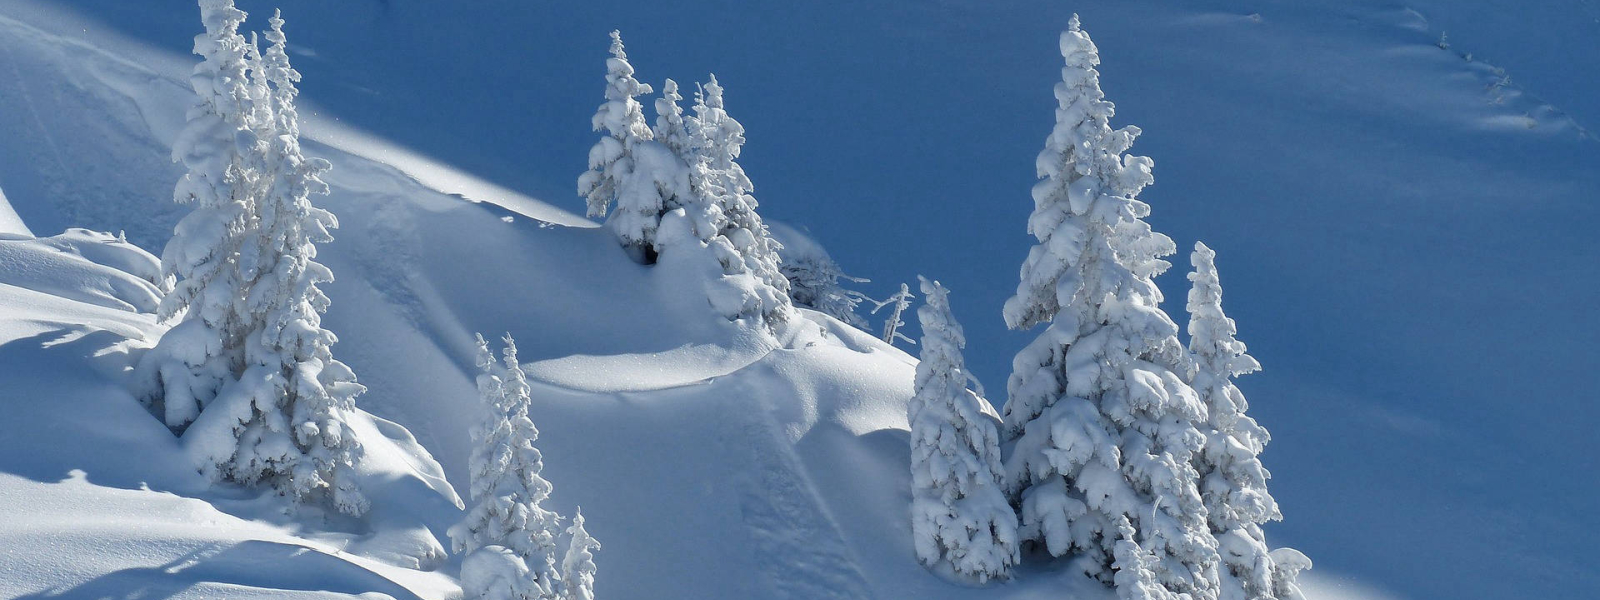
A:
(577, 568)
(1233, 483)
(1101, 423)
(494, 573)
(960, 520)
(507, 491)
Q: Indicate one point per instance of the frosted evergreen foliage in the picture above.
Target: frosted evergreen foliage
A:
(577, 568)
(725, 218)
(961, 522)
(507, 491)
(1101, 425)
(285, 420)
(630, 176)
(891, 327)
(1233, 482)
(220, 150)
(814, 284)
(671, 130)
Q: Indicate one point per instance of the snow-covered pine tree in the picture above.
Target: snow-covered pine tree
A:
(1233, 483)
(627, 168)
(507, 491)
(737, 236)
(891, 328)
(1101, 424)
(960, 520)
(219, 147)
(577, 568)
(285, 421)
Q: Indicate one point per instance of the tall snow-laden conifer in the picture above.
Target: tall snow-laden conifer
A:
(285, 421)
(627, 169)
(1101, 423)
(1233, 483)
(960, 520)
(732, 228)
(219, 147)
(577, 568)
(507, 491)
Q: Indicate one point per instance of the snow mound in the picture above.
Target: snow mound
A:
(85, 266)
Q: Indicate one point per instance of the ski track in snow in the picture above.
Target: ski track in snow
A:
(797, 544)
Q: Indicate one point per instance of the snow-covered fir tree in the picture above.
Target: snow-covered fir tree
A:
(507, 510)
(1233, 483)
(630, 176)
(577, 568)
(732, 228)
(247, 374)
(1101, 422)
(960, 520)
(284, 421)
(891, 327)
(814, 284)
(219, 147)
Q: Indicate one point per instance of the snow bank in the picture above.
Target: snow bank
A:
(84, 266)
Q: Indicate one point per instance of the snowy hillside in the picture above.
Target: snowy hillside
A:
(1402, 218)
(711, 461)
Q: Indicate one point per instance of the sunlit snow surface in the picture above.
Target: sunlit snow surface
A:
(1402, 233)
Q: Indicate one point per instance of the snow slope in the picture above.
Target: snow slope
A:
(1402, 251)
